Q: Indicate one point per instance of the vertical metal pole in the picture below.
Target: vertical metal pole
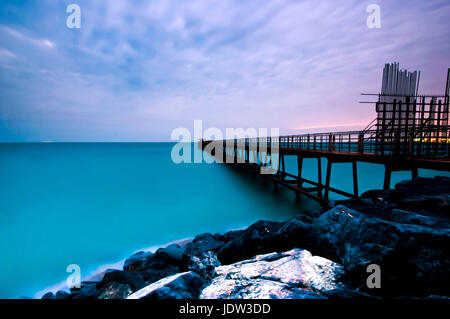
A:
(415, 172)
(327, 182)
(355, 179)
(299, 173)
(387, 177)
(319, 175)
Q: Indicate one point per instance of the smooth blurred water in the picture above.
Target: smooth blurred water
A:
(95, 204)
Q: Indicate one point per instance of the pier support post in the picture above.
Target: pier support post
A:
(319, 175)
(300, 168)
(355, 179)
(387, 176)
(283, 168)
(415, 172)
(327, 182)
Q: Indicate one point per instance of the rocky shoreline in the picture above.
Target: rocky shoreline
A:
(320, 254)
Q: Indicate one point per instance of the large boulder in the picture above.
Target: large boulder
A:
(293, 233)
(204, 264)
(133, 280)
(170, 255)
(185, 285)
(421, 195)
(115, 290)
(413, 257)
(48, 295)
(293, 274)
(200, 255)
(88, 290)
(406, 217)
(60, 294)
(424, 186)
(136, 261)
(152, 274)
(253, 241)
(201, 245)
(333, 229)
(155, 266)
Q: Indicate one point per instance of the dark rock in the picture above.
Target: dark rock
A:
(132, 279)
(204, 243)
(154, 274)
(333, 229)
(48, 295)
(253, 241)
(373, 194)
(171, 256)
(185, 285)
(294, 233)
(228, 236)
(115, 290)
(413, 258)
(201, 253)
(62, 295)
(88, 290)
(436, 204)
(136, 261)
(347, 293)
(425, 186)
(405, 217)
(204, 264)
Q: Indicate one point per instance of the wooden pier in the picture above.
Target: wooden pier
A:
(343, 147)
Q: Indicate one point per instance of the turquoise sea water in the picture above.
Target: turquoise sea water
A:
(96, 203)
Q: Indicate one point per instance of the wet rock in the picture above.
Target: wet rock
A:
(62, 295)
(115, 290)
(228, 236)
(405, 217)
(133, 280)
(424, 186)
(136, 261)
(88, 290)
(48, 295)
(153, 267)
(253, 241)
(154, 274)
(170, 255)
(204, 264)
(333, 229)
(347, 293)
(206, 242)
(292, 274)
(166, 260)
(180, 286)
(413, 258)
(437, 204)
(200, 255)
(294, 233)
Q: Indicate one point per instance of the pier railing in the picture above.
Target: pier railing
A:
(428, 142)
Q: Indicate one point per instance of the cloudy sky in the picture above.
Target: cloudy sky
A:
(138, 69)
